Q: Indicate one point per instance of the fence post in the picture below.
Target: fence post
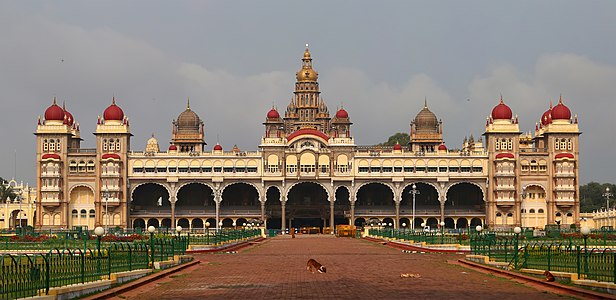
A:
(130, 258)
(47, 274)
(578, 262)
(614, 267)
(83, 267)
(109, 262)
(549, 257)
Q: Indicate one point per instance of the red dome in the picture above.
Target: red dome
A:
(501, 112)
(442, 147)
(54, 112)
(113, 112)
(110, 156)
(173, 147)
(546, 118)
(342, 114)
(273, 114)
(218, 147)
(397, 147)
(561, 112)
(69, 120)
(50, 156)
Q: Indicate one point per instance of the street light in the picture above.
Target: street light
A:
(106, 206)
(607, 196)
(20, 198)
(414, 191)
(99, 232)
(207, 231)
(151, 230)
(178, 230)
(442, 232)
(585, 231)
(517, 231)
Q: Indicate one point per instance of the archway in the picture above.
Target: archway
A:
(462, 223)
(449, 223)
(184, 223)
(475, 222)
(194, 196)
(534, 207)
(307, 206)
(81, 198)
(374, 199)
(405, 223)
(139, 223)
(273, 209)
(426, 201)
(242, 197)
(197, 223)
(341, 205)
(166, 223)
(227, 223)
(360, 222)
(463, 198)
(150, 197)
(153, 222)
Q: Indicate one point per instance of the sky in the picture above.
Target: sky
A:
(237, 59)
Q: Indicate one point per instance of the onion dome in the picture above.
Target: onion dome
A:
(564, 155)
(68, 120)
(442, 147)
(561, 112)
(113, 112)
(217, 147)
(173, 147)
(504, 155)
(273, 114)
(342, 114)
(306, 73)
(54, 112)
(397, 147)
(501, 111)
(426, 121)
(188, 120)
(546, 118)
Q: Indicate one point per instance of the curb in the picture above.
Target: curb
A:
(571, 290)
(413, 248)
(231, 247)
(139, 282)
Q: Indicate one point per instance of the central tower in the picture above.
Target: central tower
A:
(307, 109)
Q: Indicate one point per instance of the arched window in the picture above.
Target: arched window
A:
(532, 211)
(509, 215)
(74, 214)
(83, 214)
(118, 144)
(498, 214)
(92, 214)
(540, 210)
(569, 214)
(558, 214)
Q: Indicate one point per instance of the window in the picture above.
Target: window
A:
(324, 168)
(409, 169)
(532, 211)
(432, 169)
(363, 169)
(465, 169)
(420, 169)
(92, 214)
(137, 170)
(498, 214)
(540, 210)
(397, 169)
(198, 170)
(72, 166)
(161, 170)
(252, 169)
(150, 169)
(216, 169)
(117, 144)
(477, 169)
(74, 213)
(387, 169)
(83, 214)
(558, 214)
(231, 169)
(206, 169)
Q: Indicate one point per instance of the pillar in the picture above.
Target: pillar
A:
(217, 213)
(352, 222)
(331, 215)
(396, 221)
(283, 221)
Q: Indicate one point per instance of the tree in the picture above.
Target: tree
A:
(591, 196)
(6, 191)
(398, 138)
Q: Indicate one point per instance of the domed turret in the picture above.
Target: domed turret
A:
(502, 111)
(188, 120)
(217, 147)
(307, 73)
(273, 114)
(442, 147)
(342, 114)
(173, 147)
(561, 112)
(113, 112)
(152, 145)
(54, 112)
(397, 147)
(426, 121)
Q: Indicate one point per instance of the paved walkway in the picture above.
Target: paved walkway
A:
(356, 269)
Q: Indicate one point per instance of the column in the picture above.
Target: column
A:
(397, 220)
(172, 200)
(217, 213)
(442, 212)
(263, 212)
(352, 222)
(284, 221)
(331, 215)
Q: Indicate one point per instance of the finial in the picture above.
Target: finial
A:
(306, 45)
(152, 134)
(113, 100)
(501, 98)
(54, 100)
(63, 105)
(560, 100)
(550, 103)
(425, 102)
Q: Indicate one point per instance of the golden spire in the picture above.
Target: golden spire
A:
(425, 102)
(306, 73)
(188, 104)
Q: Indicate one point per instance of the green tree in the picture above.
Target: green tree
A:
(6, 191)
(398, 138)
(591, 196)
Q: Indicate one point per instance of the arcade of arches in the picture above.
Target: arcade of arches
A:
(195, 205)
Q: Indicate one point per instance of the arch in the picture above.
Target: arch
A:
(149, 195)
(222, 190)
(391, 188)
(483, 193)
(139, 223)
(134, 188)
(184, 223)
(197, 223)
(342, 159)
(70, 190)
(291, 160)
(462, 223)
(194, 195)
(307, 158)
(449, 223)
(360, 222)
(327, 191)
(476, 221)
(227, 223)
(190, 182)
(153, 222)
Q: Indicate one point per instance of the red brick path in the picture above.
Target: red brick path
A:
(356, 269)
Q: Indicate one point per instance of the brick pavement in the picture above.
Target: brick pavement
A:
(356, 269)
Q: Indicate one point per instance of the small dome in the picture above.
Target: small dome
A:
(442, 147)
(501, 111)
(307, 74)
(188, 120)
(113, 112)
(273, 114)
(173, 147)
(397, 147)
(561, 112)
(426, 121)
(217, 147)
(152, 141)
(546, 118)
(68, 120)
(342, 114)
(152, 145)
(54, 112)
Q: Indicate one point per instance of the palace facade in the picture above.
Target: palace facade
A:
(308, 171)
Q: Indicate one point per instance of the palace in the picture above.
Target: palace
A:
(308, 171)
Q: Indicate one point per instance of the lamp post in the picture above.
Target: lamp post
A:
(414, 191)
(20, 198)
(106, 209)
(151, 230)
(207, 232)
(478, 228)
(178, 229)
(442, 232)
(404, 230)
(607, 196)
(517, 231)
(585, 231)
(99, 232)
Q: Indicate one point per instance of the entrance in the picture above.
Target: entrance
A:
(307, 222)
